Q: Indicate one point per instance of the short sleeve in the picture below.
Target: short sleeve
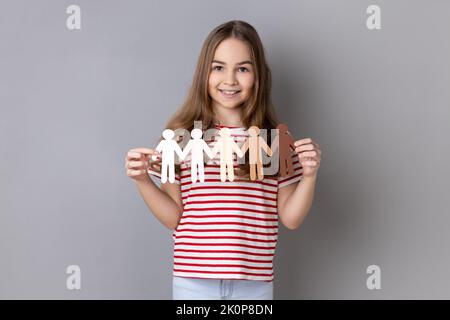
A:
(292, 178)
(157, 174)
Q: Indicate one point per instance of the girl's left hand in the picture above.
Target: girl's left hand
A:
(309, 155)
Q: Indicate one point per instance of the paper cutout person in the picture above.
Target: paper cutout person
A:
(254, 144)
(226, 145)
(285, 143)
(196, 146)
(168, 147)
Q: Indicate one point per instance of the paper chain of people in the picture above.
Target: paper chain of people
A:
(226, 147)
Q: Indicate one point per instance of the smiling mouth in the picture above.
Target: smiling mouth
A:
(229, 93)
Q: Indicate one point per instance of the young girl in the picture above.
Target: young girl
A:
(225, 232)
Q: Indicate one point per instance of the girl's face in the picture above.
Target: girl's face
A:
(232, 77)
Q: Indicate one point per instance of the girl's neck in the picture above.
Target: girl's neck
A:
(228, 117)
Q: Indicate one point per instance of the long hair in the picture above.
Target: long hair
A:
(257, 110)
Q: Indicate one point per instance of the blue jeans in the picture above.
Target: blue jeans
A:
(217, 289)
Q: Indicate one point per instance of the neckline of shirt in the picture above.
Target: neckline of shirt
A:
(216, 125)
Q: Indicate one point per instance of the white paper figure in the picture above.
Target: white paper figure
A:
(226, 145)
(167, 148)
(196, 146)
(255, 144)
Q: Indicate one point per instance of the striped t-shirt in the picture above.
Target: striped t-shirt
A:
(228, 230)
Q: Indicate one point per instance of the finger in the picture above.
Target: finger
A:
(145, 151)
(134, 173)
(308, 154)
(316, 159)
(154, 166)
(310, 161)
(306, 141)
(303, 141)
(133, 155)
(308, 147)
(153, 158)
(135, 165)
(305, 147)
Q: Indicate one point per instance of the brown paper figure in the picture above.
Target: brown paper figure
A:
(285, 143)
(254, 144)
(226, 145)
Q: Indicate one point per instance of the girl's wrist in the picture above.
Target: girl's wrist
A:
(311, 178)
(143, 182)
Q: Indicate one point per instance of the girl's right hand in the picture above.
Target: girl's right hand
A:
(137, 163)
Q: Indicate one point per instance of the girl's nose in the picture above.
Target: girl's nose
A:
(230, 79)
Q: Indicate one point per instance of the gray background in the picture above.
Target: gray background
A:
(73, 103)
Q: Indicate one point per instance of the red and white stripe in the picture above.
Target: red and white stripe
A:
(228, 230)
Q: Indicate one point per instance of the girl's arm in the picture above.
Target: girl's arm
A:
(264, 146)
(165, 203)
(295, 200)
(216, 148)
(207, 149)
(244, 146)
(186, 150)
(236, 149)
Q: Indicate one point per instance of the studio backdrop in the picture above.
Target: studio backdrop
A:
(82, 82)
